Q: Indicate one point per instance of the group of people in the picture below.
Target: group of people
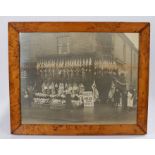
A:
(124, 99)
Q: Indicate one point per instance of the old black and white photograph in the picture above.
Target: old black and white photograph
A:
(79, 77)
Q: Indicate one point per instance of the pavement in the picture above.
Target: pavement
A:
(99, 114)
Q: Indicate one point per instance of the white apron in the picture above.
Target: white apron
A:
(130, 100)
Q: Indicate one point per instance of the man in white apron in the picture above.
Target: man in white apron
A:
(130, 100)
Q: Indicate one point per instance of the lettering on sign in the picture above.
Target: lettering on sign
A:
(88, 99)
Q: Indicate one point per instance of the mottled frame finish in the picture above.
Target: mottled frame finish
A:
(18, 128)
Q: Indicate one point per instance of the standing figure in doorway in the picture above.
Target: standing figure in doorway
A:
(117, 96)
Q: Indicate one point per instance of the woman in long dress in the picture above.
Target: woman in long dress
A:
(130, 100)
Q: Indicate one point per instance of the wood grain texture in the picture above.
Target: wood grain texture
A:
(14, 77)
(78, 26)
(14, 74)
(79, 130)
(143, 78)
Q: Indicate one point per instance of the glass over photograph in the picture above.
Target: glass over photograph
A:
(79, 78)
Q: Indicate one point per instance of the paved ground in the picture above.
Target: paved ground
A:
(102, 114)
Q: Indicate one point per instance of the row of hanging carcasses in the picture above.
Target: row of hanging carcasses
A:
(87, 63)
(84, 69)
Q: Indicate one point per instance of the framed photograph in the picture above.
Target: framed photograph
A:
(79, 78)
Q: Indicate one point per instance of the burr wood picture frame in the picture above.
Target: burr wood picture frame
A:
(79, 78)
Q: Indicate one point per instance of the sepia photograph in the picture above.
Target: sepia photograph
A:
(79, 77)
